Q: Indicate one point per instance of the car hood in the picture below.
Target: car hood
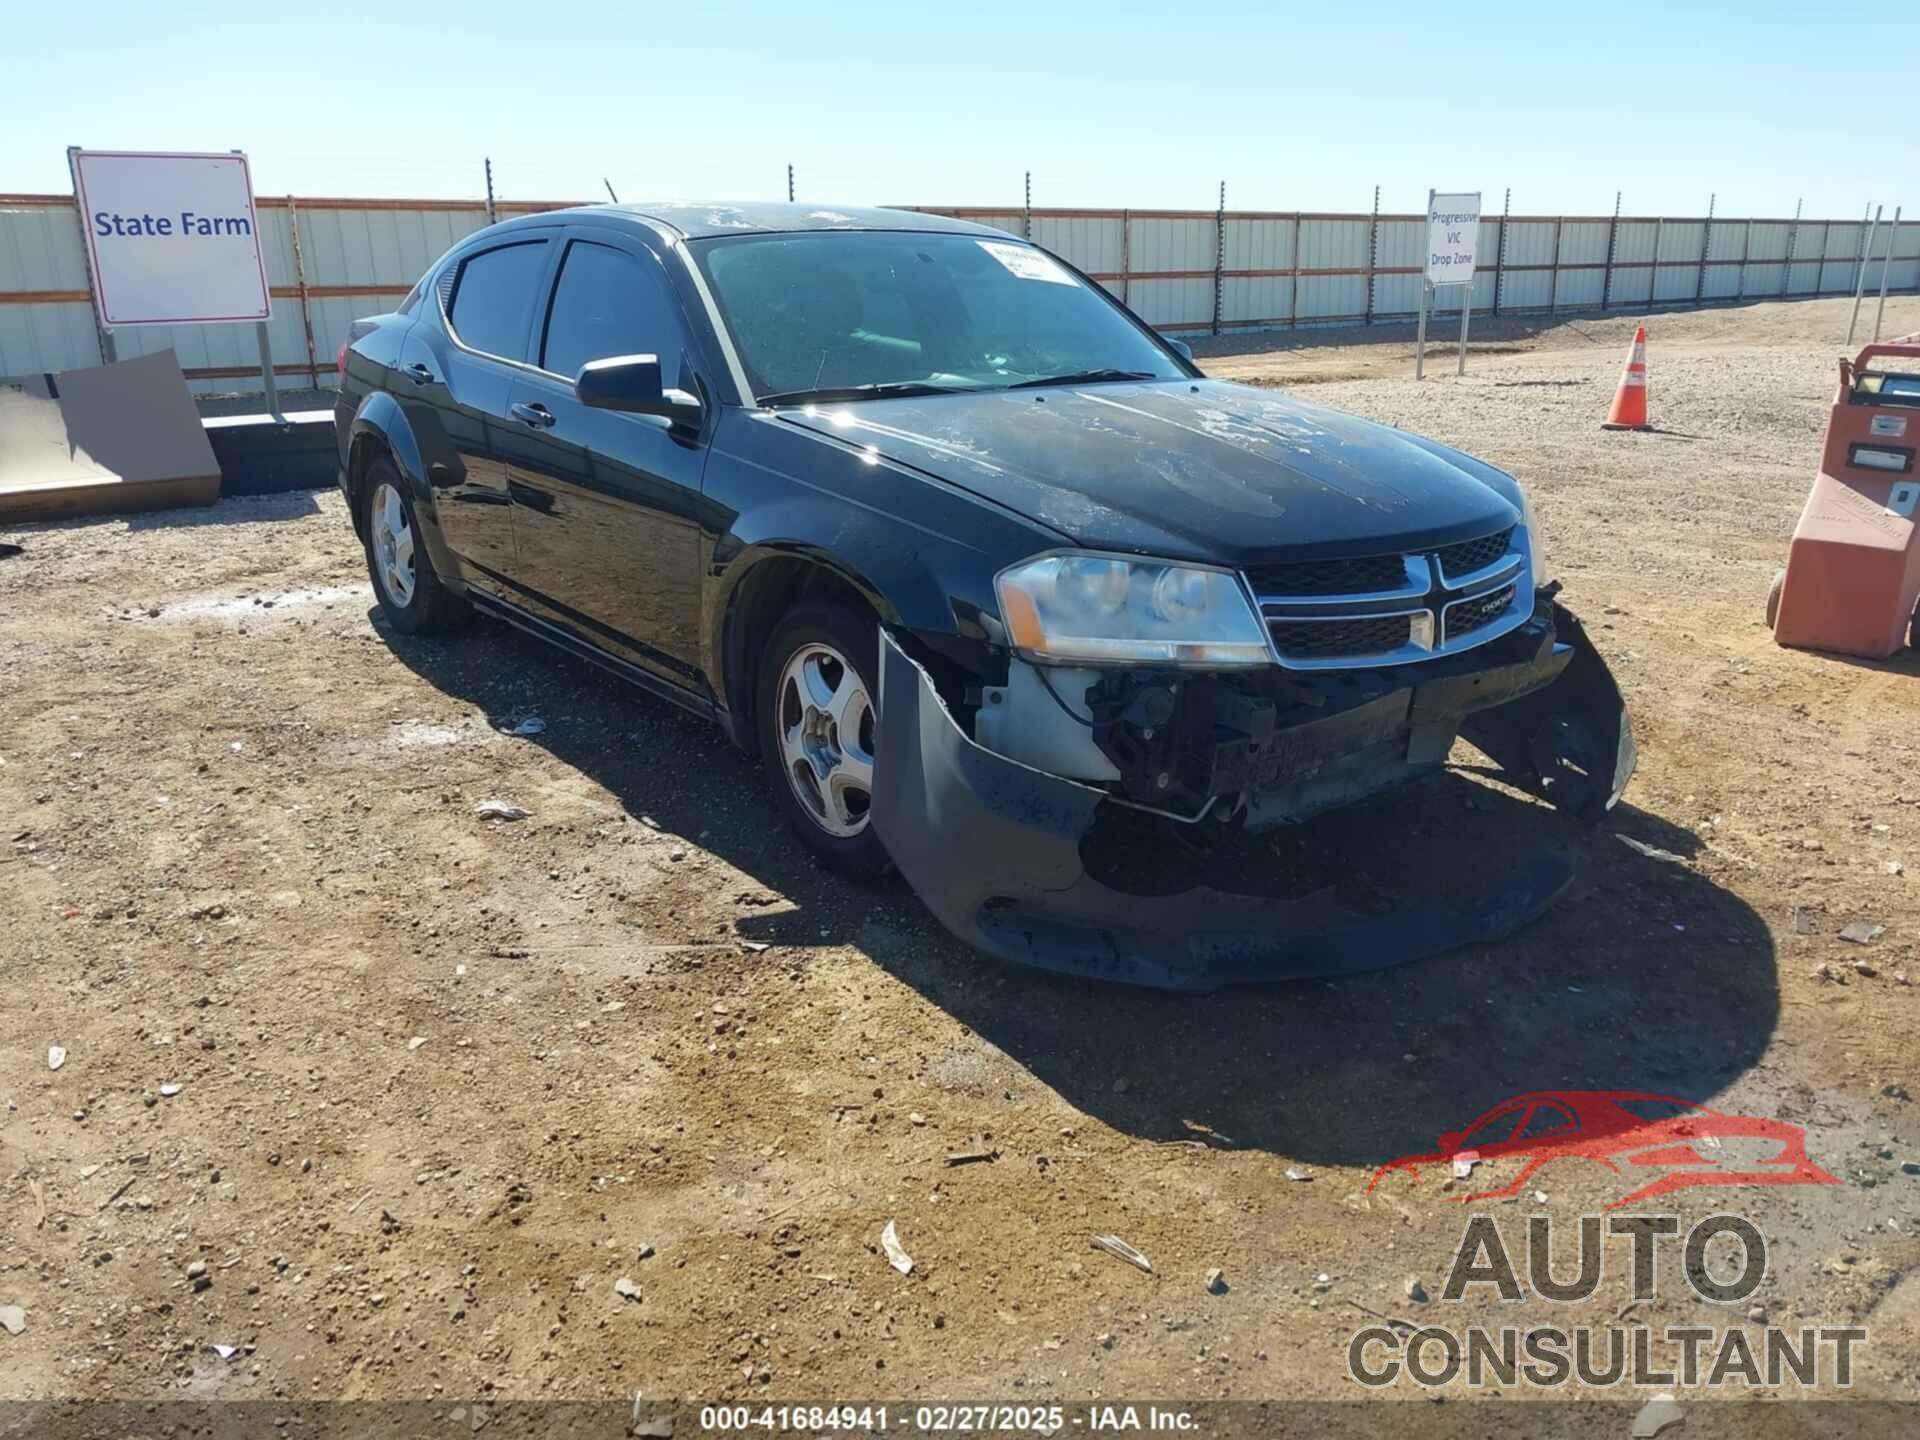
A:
(1200, 470)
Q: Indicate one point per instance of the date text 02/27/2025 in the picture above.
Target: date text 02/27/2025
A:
(946, 1419)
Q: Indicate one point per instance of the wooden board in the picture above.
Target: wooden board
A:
(110, 439)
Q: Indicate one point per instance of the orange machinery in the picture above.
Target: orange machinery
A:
(1853, 569)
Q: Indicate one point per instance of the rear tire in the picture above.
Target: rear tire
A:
(410, 593)
(815, 713)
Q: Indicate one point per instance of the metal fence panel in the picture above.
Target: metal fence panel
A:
(1403, 245)
(40, 249)
(1256, 300)
(42, 337)
(1580, 289)
(1770, 240)
(1173, 243)
(1331, 243)
(1396, 297)
(1093, 244)
(1263, 243)
(1530, 242)
(1522, 290)
(1177, 304)
(1584, 242)
(358, 257)
(1328, 299)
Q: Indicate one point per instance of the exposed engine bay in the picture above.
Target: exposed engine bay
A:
(993, 828)
(1273, 747)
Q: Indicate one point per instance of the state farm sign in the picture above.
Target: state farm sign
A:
(173, 238)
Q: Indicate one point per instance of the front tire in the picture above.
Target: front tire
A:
(815, 713)
(410, 593)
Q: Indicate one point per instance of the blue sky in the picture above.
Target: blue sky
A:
(926, 103)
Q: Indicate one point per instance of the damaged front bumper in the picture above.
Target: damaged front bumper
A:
(994, 847)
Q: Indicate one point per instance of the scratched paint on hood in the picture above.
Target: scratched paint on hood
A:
(1204, 469)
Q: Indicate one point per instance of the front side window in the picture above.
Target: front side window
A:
(609, 303)
(494, 295)
(1544, 1121)
(1496, 1129)
(847, 310)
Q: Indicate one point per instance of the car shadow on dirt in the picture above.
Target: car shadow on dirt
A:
(232, 509)
(1646, 975)
(665, 766)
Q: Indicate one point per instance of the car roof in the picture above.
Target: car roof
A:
(705, 220)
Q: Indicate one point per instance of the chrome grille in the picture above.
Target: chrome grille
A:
(1330, 577)
(1392, 609)
(1466, 616)
(1471, 555)
(1322, 639)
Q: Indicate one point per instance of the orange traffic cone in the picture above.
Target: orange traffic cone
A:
(1629, 410)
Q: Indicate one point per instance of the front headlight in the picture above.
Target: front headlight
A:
(1080, 608)
(1536, 542)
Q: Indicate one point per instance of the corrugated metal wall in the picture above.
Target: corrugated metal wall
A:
(356, 257)
(1267, 269)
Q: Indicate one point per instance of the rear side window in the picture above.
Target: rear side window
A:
(494, 296)
(608, 302)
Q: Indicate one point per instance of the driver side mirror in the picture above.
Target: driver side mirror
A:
(631, 383)
(1182, 349)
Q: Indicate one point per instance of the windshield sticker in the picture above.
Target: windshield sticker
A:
(1027, 264)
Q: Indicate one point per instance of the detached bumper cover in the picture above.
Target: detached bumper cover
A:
(993, 848)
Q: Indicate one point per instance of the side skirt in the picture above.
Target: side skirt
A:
(580, 649)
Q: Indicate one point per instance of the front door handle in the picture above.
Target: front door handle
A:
(419, 374)
(538, 416)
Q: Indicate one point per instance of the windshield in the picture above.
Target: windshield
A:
(829, 312)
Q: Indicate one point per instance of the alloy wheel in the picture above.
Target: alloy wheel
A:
(826, 738)
(393, 545)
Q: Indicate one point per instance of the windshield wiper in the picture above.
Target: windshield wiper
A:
(878, 390)
(1082, 377)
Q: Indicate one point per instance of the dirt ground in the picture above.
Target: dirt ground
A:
(419, 1088)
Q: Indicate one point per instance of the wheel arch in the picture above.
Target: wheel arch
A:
(764, 583)
(380, 430)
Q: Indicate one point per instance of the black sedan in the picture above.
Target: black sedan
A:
(973, 558)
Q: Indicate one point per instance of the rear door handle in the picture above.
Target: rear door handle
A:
(538, 416)
(419, 374)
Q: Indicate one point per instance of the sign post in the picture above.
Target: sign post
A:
(172, 239)
(1453, 243)
(108, 355)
